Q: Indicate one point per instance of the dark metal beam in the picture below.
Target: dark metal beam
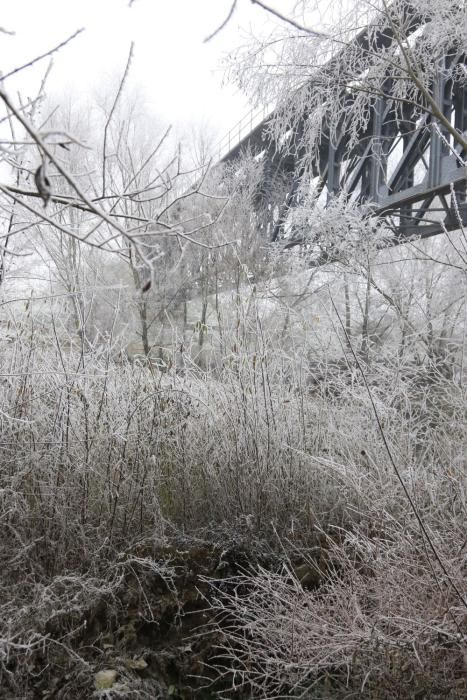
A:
(422, 191)
(364, 167)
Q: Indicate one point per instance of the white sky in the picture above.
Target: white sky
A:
(180, 76)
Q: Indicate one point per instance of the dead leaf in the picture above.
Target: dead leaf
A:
(105, 679)
(135, 664)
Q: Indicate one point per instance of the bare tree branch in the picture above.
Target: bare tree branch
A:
(44, 55)
(288, 20)
(224, 23)
(47, 152)
(111, 113)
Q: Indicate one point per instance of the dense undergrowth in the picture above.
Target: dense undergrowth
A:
(238, 530)
(233, 399)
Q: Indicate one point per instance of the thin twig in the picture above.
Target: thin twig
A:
(44, 55)
(289, 20)
(224, 23)
(43, 218)
(111, 113)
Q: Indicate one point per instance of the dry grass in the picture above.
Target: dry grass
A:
(100, 454)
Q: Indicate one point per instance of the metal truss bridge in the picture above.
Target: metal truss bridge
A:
(405, 167)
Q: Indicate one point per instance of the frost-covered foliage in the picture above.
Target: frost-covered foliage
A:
(340, 231)
(328, 81)
(373, 629)
(275, 440)
(203, 389)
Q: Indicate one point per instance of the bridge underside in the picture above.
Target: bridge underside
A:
(406, 168)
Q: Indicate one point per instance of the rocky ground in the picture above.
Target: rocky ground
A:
(151, 635)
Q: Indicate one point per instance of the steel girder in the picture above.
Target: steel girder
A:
(406, 168)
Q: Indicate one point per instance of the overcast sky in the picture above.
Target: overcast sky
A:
(180, 76)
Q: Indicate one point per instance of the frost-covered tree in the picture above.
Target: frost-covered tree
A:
(326, 71)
